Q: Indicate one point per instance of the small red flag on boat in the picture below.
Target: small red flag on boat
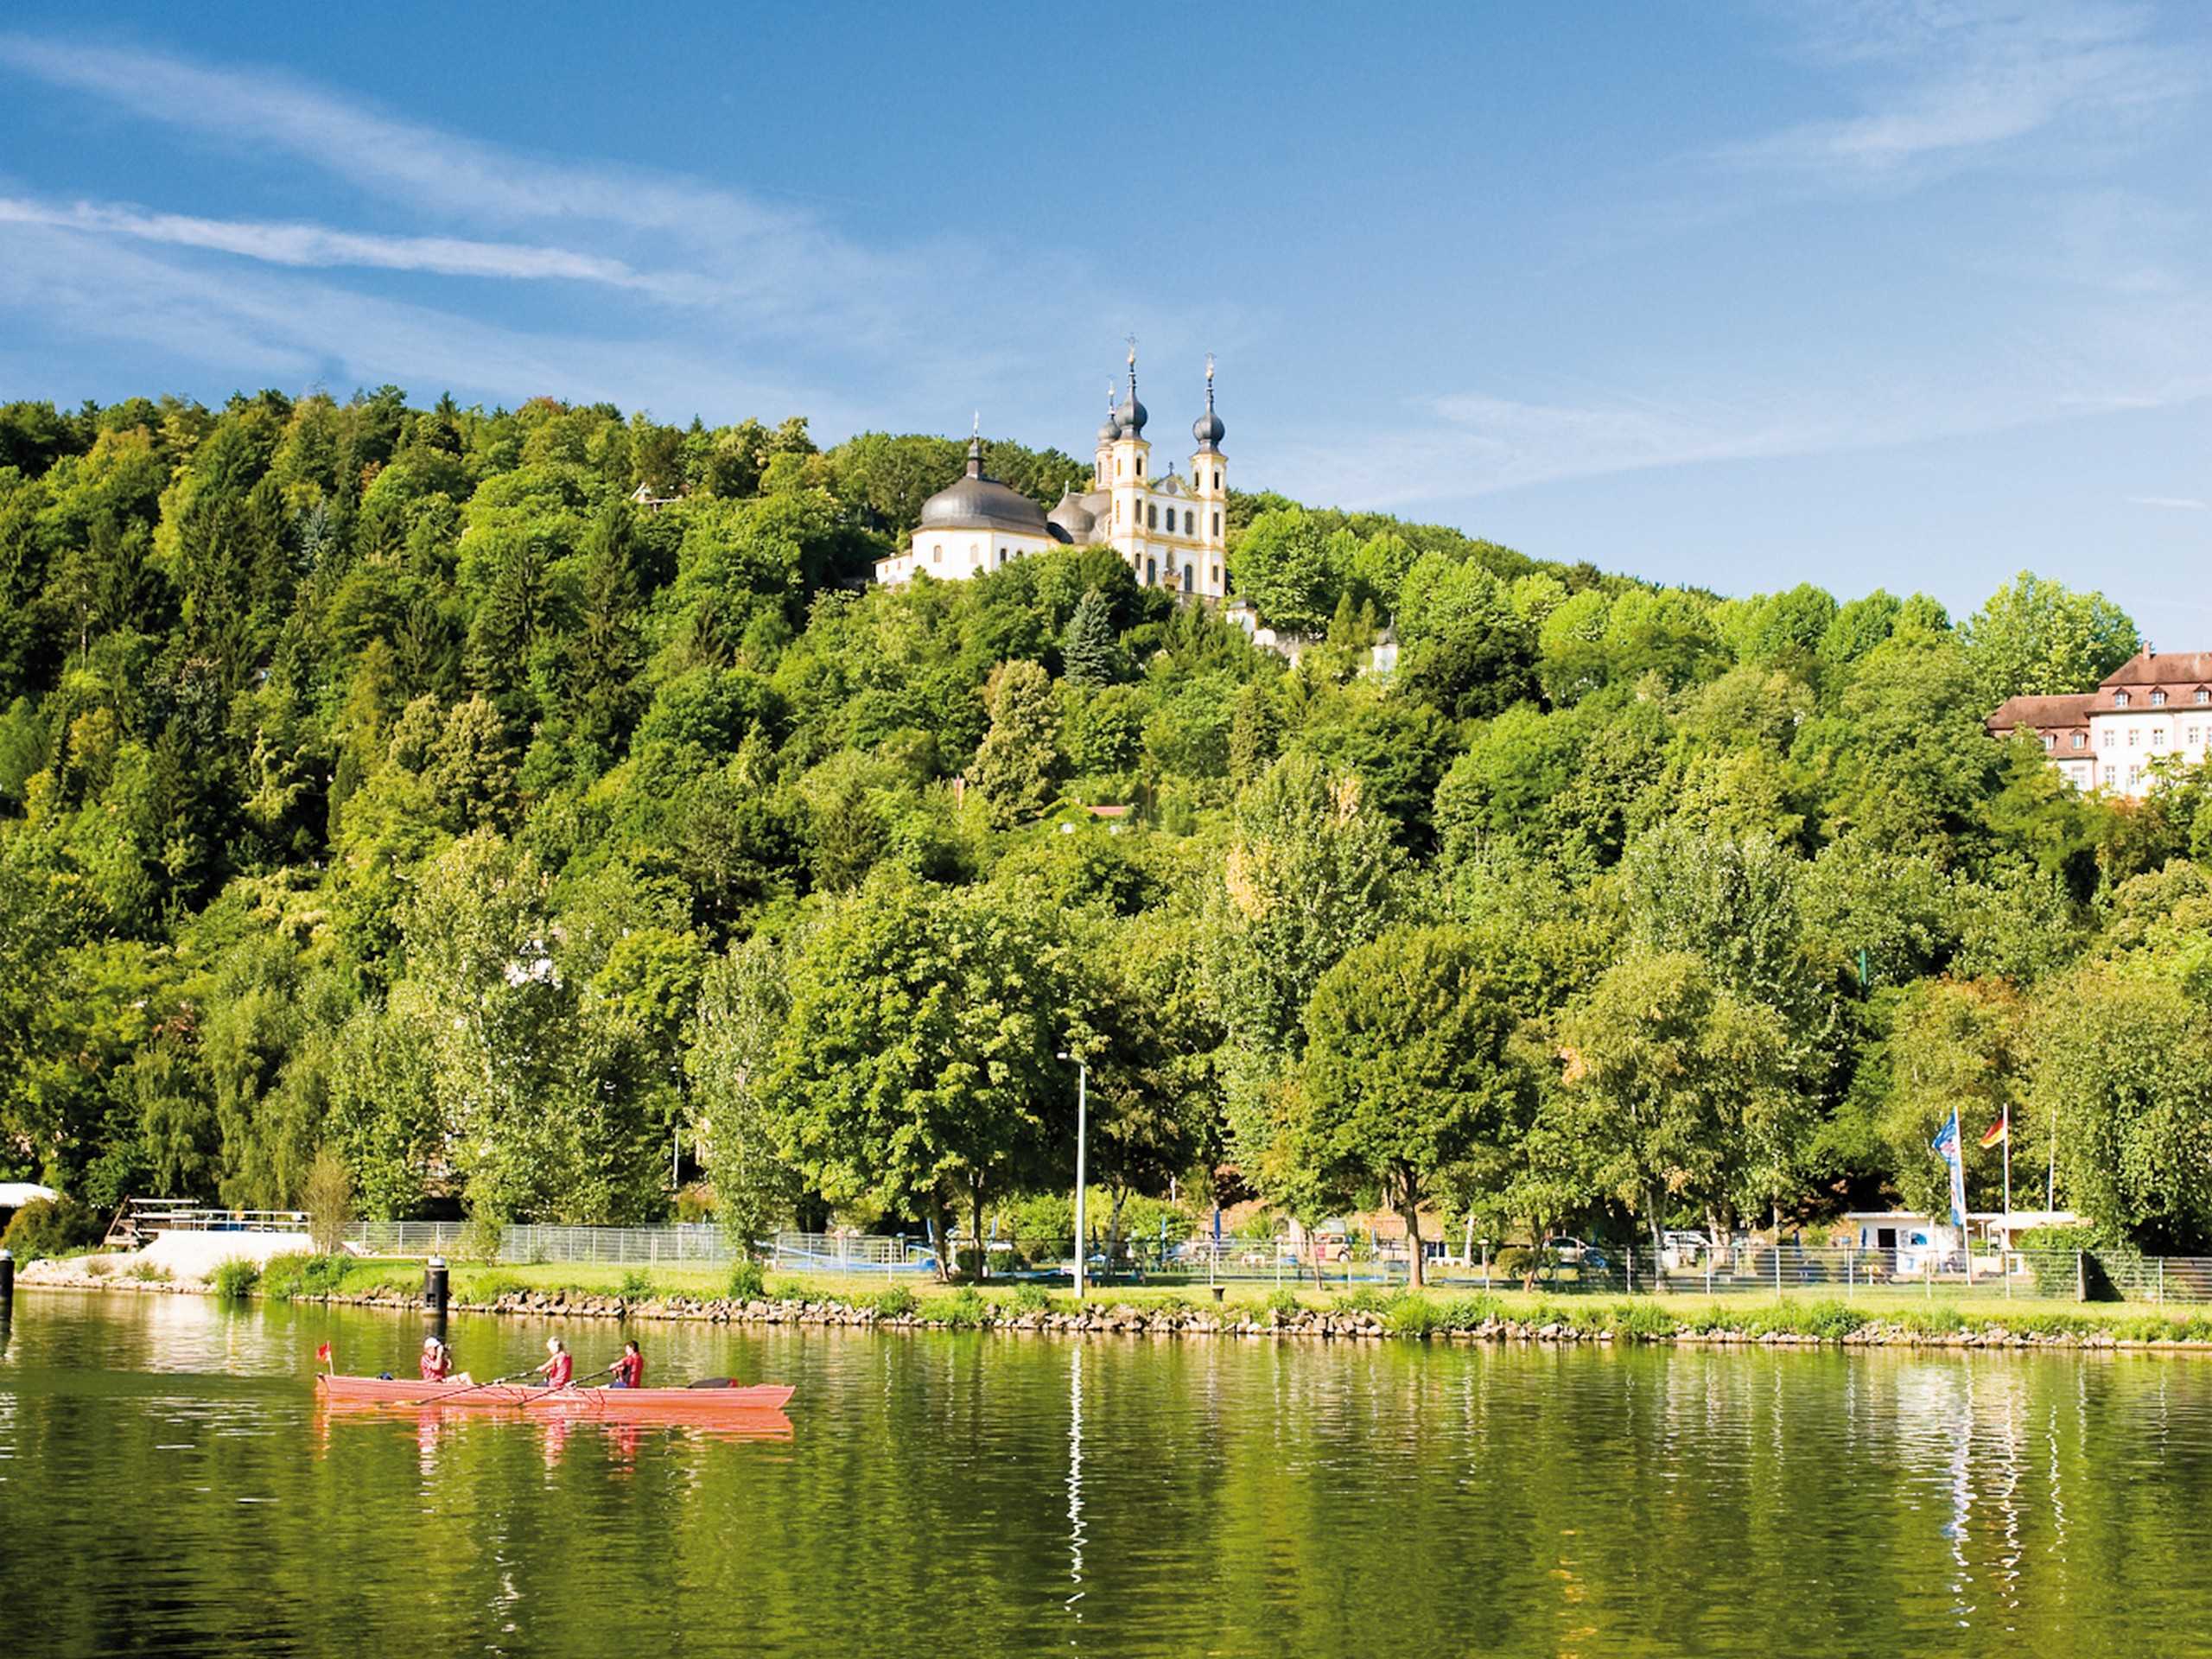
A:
(2001, 1131)
(323, 1353)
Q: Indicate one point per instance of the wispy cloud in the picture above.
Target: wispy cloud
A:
(776, 267)
(758, 283)
(2181, 501)
(1945, 82)
(317, 244)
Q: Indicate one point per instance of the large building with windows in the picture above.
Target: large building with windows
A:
(2153, 707)
(1170, 529)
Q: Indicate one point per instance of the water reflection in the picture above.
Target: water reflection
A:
(1074, 1481)
(989, 1494)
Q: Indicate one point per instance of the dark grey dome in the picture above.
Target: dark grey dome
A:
(978, 503)
(1207, 428)
(1071, 516)
(1131, 415)
(1110, 431)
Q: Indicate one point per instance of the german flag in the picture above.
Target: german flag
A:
(2001, 1131)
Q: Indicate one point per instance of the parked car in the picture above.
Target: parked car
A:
(1573, 1253)
(1679, 1252)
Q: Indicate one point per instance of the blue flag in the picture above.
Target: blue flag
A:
(1946, 1148)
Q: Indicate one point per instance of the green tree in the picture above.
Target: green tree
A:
(1408, 1072)
(2039, 638)
(1091, 650)
(2122, 1069)
(1674, 1092)
(916, 1069)
(1017, 770)
(1281, 564)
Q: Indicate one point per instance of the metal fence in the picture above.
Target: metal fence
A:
(1785, 1270)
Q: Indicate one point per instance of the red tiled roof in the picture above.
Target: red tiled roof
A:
(2161, 668)
(2042, 713)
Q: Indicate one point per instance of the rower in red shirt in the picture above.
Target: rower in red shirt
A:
(437, 1360)
(560, 1365)
(630, 1369)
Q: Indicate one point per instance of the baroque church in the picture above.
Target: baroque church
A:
(1169, 530)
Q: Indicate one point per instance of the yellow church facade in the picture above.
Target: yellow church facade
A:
(1170, 528)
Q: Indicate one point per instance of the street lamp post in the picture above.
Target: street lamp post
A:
(1081, 1093)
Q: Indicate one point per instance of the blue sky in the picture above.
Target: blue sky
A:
(1907, 293)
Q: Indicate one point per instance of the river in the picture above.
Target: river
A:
(169, 1485)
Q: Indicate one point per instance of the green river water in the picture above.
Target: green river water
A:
(167, 1486)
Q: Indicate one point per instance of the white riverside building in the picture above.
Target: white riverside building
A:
(1171, 530)
(2154, 707)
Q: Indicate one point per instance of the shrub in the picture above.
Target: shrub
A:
(1469, 1312)
(146, 1273)
(490, 1286)
(234, 1280)
(98, 1267)
(483, 1238)
(1640, 1321)
(636, 1285)
(285, 1278)
(1031, 1299)
(963, 1310)
(1413, 1316)
(1830, 1321)
(50, 1227)
(1940, 1320)
(896, 1303)
(328, 1196)
(748, 1283)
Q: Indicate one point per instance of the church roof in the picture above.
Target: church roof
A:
(975, 502)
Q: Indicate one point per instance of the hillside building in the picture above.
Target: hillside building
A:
(2154, 707)
(1171, 530)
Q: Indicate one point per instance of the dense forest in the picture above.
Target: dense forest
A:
(536, 814)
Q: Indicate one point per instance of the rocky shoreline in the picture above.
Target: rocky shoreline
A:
(1126, 1319)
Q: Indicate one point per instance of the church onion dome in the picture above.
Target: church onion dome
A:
(1131, 415)
(1207, 428)
(1072, 520)
(975, 502)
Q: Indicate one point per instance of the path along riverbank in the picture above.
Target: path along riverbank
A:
(1360, 1316)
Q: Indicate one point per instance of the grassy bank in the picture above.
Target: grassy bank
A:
(749, 1293)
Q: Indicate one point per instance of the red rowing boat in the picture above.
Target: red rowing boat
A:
(712, 1402)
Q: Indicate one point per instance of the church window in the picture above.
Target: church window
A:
(1187, 578)
(1117, 465)
(1216, 576)
(1216, 523)
(1140, 465)
(1216, 478)
(1151, 573)
(1152, 518)
(1189, 523)
(937, 555)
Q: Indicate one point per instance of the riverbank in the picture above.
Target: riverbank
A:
(545, 1292)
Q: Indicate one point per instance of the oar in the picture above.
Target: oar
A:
(572, 1383)
(441, 1399)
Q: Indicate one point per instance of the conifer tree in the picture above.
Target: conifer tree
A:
(1090, 652)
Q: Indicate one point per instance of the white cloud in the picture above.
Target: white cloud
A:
(2181, 501)
(1944, 82)
(318, 245)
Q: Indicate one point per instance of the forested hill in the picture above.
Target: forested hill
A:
(388, 787)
